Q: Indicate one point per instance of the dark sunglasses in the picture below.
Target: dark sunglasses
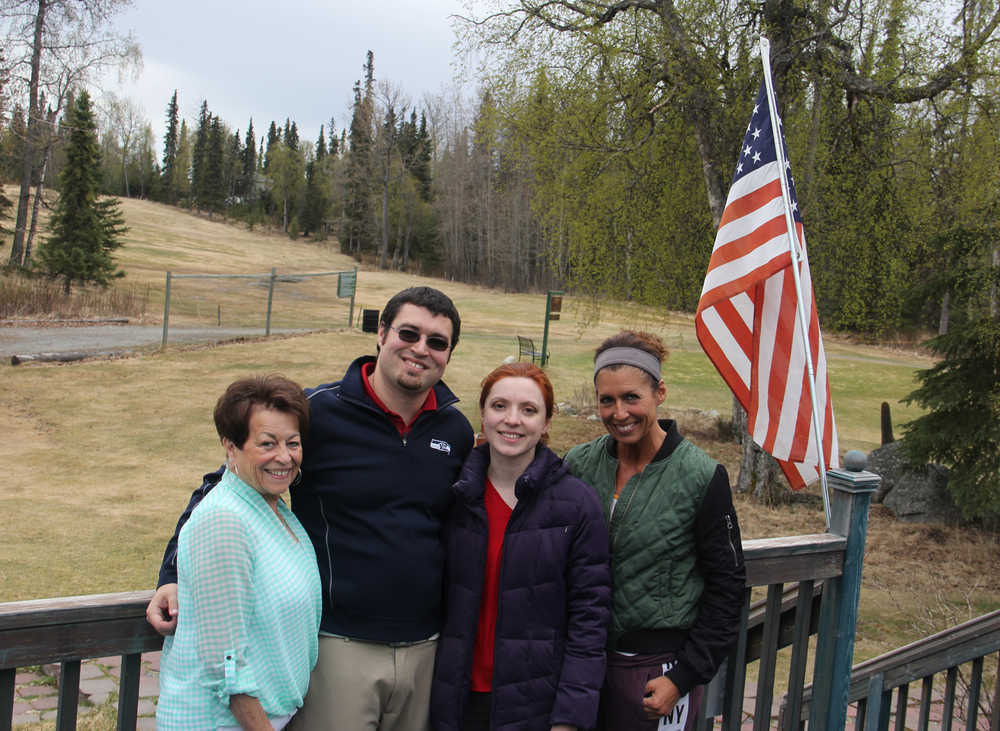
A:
(409, 335)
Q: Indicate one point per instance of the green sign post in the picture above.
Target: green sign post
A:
(346, 285)
(553, 306)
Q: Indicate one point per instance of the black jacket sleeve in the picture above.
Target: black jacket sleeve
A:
(720, 562)
(168, 567)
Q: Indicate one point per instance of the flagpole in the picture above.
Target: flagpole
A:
(772, 108)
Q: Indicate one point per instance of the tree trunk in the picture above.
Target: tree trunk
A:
(758, 469)
(397, 247)
(758, 473)
(36, 204)
(739, 420)
(385, 223)
(28, 160)
(993, 287)
(887, 437)
(406, 244)
(944, 321)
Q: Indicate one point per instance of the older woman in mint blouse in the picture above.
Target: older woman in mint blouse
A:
(247, 639)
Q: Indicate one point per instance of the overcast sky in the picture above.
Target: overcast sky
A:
(297, 58)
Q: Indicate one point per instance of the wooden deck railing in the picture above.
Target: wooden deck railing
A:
(795, 607)
(72, 629)
(873, 681)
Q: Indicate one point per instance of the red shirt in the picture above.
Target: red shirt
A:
(497, 515)
(430, 403)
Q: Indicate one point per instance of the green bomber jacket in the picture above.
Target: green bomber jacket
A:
(654, 573)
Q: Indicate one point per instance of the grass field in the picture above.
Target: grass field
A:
(103, 454)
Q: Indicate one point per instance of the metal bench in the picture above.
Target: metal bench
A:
(526, 346)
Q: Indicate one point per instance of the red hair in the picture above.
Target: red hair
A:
(520, 370)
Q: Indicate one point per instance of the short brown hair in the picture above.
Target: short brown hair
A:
(273, 391)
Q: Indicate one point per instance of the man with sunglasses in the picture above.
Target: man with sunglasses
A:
(384, 445)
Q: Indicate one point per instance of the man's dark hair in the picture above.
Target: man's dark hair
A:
(433, 300)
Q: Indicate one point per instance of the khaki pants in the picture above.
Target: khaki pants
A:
(367, 686)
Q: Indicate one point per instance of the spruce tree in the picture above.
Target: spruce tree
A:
(181, 178)
(358, 234)
(291, 136)
(212, 193)
(272, 138)
(232, 168)
(249, 167)
(198, 155)
(316, 200)
(422, 159)
(961, 392)
(83, 230)
(170, 150)
(320, 145)
(332, 146)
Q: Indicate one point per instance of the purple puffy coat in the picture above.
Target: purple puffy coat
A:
(554, 600)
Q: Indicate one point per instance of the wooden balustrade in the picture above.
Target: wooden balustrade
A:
(873, 681)
(72, 629)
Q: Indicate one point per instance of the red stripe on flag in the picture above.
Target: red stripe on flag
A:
(803, 420)
(740, 247)
(751, 201)
(736, 324)
(782, 359)
(722, 363)
(735, 286)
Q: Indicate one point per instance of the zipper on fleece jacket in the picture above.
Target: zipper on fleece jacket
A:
(729, 537)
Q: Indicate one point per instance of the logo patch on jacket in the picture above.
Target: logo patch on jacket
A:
(441, 446)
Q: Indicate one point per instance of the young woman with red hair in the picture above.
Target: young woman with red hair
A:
(527, 579)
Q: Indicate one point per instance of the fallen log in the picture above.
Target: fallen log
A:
(17, 322)
(67, 357)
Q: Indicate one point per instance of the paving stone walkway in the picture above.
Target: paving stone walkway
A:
(36, 693)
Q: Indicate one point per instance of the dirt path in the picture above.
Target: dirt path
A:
(104, 338)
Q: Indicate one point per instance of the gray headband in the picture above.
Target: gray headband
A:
(634, 357)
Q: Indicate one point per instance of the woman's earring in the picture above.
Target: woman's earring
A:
(298, 479)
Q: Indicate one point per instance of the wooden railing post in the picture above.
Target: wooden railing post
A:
(851, 488)
(7, 686)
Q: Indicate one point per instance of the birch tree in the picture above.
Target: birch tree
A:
(53, 46)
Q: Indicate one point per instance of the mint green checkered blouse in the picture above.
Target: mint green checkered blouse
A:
(249, 598)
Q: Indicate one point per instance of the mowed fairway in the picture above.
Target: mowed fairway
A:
(101, 456)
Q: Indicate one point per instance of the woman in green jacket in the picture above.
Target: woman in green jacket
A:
(677, 570)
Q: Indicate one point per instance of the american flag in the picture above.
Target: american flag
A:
(747, 320)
